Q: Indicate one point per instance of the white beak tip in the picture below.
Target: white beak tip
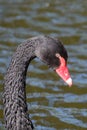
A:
(69, 82)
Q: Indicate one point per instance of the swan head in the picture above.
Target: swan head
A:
(54, 54)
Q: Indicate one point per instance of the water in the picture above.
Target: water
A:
(52, 104)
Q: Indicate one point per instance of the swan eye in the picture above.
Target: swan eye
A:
(57, 55)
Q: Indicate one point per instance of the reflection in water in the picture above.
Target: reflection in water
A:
(52, 105)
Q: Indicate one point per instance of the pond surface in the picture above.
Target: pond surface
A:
(52, 104)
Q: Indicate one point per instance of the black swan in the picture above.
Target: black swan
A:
(49, 50)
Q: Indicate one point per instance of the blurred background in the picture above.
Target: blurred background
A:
(52, 104)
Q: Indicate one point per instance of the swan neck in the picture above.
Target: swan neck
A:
(15, 107)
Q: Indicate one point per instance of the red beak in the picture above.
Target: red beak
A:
(63, 72)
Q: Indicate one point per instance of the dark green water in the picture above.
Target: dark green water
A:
(52, 104)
